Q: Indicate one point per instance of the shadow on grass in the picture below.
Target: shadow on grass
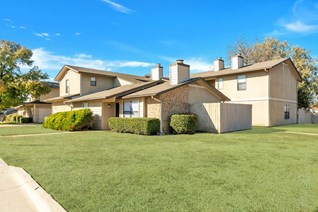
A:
(260, 130)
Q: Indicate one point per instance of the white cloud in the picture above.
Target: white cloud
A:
(118, 7)
(57, 34)
(22, 27)
(302, 19)
(48, 61)
(300, 27)
(8, 20)
(13, 27)
(198, 64)
(82, 55)
(42, 35)
(77, 34)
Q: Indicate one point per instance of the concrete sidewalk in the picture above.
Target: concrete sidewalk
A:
(20, 192)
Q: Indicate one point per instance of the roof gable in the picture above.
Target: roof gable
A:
(166, 87)
(128, 77)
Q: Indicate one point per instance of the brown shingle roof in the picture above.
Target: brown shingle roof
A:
(60, 98)
(115, 92)
(166, 87)
(129, 77)
(249, 68)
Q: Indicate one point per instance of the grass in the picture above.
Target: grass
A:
(264, 169)
(20, 130)
(5, 123)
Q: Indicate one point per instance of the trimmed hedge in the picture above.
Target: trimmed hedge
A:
(70, 121)
(140, 126)
(184, 123)
(13, 118)
(26, 120)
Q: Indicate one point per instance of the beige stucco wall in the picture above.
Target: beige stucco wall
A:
(107, 112)
(97, 108)
(55, 92)
(256, 94)
(276, 109)
(198, 94)
(283, 84)
(60, 107)
(102, 83)
(101, 112)
(282, 91)
(256, 86)
(75, 79)
(120, 82)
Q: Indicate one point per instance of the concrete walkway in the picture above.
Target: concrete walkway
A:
(20, 192)
(19, 125)
(301, 133)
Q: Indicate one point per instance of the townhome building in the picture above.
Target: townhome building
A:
(270, 87)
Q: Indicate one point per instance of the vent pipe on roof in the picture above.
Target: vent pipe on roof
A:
(218, 64)
(179, 72)
(236, 62)
(157, 72)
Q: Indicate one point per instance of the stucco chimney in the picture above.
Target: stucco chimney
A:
(236, 62)
(218, 64)
(179, 72)
(157, 72)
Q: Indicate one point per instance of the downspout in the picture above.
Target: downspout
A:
(158, 100)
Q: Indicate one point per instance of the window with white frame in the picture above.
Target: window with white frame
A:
(241, 82)
(67, 86)
(85, 105)
(286, 112)
(131, 109)
(220, 83)
(93, 81)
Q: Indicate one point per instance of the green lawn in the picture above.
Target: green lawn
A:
(264, 169)
(20, 130)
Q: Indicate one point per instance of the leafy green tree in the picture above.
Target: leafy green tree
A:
(271, 49)
(15, 85)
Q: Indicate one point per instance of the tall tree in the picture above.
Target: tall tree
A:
(271, 49)
(14, 85)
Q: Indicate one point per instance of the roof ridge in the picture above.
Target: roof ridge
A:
(110, 72)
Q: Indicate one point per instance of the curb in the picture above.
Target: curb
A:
(34, 194)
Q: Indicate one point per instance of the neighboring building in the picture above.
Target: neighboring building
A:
(37, 109)
(77, 81)
(271, 87)
(110, 94)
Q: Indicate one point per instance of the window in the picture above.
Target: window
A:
(67, 86)
(93, 81)
(241, 83)
(220, 83)
(85, 105)
(131, 109)
(286, 112)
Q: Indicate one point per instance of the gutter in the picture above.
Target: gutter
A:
(158, 100)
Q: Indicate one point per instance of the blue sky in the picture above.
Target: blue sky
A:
(130, 36)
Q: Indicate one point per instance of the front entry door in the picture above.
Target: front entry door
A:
(117, 109)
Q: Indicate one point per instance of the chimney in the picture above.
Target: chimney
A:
(236, 62)
(218, 64)
(157, 72)
(179, 72)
